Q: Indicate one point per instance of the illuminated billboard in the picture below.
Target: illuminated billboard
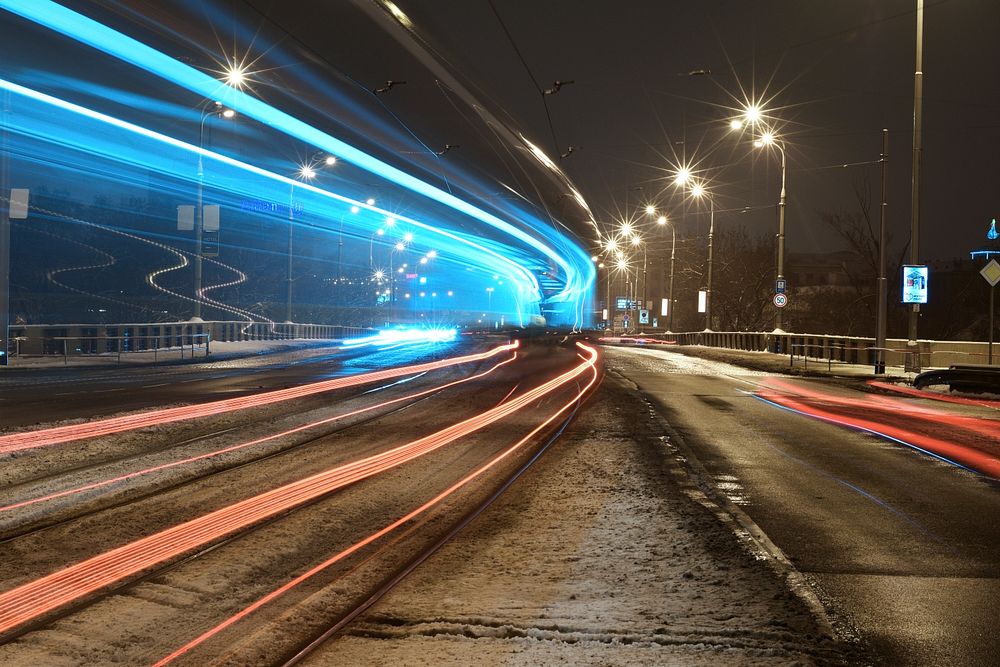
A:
(915, 284)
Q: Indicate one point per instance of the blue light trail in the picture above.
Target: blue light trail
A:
(576, 273)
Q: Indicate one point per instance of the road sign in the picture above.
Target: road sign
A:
(780, 286)
(643, 316)
(780, 300)
(991, 272)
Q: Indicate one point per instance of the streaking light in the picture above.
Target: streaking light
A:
(403, 336)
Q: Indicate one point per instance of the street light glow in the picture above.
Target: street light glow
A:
(370, 201)
(698, 190)
(650, 210)
(380, 231)
(235, 75)
(408, 237)
(636, 240)
(736, 124)
(400, 246)
(683, 176)
(621, 264)
(766, 139)
(330, 160)
(390, 221)
(662, 220)
(228, 113)
(752, 114)
(431, 254)
(307, 172)
(379, 275)
(627, 228)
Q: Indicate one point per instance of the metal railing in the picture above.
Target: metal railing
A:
(126, 345)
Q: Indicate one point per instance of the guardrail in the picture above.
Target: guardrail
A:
(838, 349)
(122, 345)
(105, 340)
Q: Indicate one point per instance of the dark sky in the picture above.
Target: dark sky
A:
(833, 73)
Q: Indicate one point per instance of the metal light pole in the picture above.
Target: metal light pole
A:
(670, 293)
(708, 287)
(216, 109)
(918, 95)
(768, 139)
(291, 227)
(881, 288)
(4, 235)
(781, 233)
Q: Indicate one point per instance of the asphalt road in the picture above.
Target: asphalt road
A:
(903, 547)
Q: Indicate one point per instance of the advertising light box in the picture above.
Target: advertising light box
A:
(915, 284)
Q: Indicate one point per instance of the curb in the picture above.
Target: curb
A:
(694, 482)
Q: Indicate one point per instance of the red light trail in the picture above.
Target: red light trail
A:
(934, 396)
(246, 611)
(32, 599)
(244, 445)
(14, 442)
(968, 441)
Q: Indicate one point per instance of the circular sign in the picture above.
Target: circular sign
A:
(780, 300)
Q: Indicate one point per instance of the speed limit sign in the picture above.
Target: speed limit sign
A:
(780, 300)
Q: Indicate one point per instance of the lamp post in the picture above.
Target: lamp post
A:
(208, 109)
(918, 102)
(306, 172)
(768, 139)
(698, 191)
(662, 220)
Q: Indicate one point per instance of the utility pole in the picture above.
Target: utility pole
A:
(4, 234)
(881, 288)
(918, 95)
(708, 288)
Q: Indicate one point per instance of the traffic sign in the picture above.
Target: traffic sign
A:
(780, 300)
(991, 272)
(781, 286)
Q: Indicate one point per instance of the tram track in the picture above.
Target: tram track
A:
(273, 516)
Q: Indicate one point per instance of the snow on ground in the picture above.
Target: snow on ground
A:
(595, 557)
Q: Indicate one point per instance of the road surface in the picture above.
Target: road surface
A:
(904, 547)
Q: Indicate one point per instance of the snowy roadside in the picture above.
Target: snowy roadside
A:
(596, 556)
(769, 362)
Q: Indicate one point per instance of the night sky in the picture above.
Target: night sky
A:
(832, 74)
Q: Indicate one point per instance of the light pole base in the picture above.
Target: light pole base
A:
(779, 330)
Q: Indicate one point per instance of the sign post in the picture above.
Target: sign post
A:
(991, 274)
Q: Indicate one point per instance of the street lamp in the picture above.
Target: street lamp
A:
(765, 140)
(209, 108)
(698, 191)
(307, 172)
(662, 220)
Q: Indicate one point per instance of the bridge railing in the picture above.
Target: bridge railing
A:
(839, 349)
(82, 340)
